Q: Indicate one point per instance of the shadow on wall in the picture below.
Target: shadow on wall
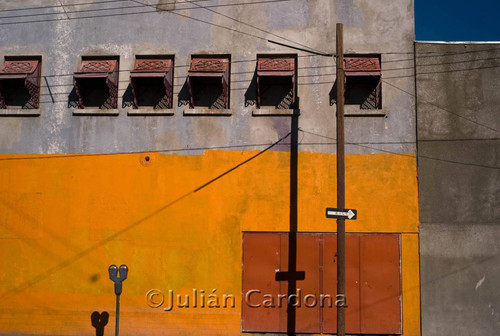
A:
(99, 321)
(184, 96)
(294, 276)
(251, 92)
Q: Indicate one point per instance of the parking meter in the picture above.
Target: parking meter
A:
(117, 275)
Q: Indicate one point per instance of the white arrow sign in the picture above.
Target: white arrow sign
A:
(341, 213)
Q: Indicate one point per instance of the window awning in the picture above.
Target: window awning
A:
(362, 66)
(148, 68)
(106, 69)
(30, 71)
(19, 69)
(97, 69)
(151, 68)
(209, 67)
(276, 66)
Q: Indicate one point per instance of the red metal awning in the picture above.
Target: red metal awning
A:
(362, 66)
(209, 67)
(151, 67)
(18, 69)
(276, 66)
(96, 68)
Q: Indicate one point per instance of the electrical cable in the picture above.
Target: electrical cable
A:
(139, 5)
(412, 156)
(68, 261)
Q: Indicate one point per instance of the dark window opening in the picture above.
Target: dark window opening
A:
(276, 92)
(363, 91)
(15, 93)
(207, 92)
(20, 83)
(152, 82)
(96, 83)
(208, 82)
(151, 92)
(276, 81)
(94, 93)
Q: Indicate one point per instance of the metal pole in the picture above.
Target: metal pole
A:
(117, 314)
(118, 276)
(340, 300)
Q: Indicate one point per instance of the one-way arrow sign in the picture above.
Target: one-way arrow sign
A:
(341, 213)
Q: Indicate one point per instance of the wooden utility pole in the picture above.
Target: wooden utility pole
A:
(340, 299)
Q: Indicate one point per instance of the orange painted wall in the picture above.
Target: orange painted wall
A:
(65, 218)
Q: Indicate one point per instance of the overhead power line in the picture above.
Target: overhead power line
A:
(263, 38)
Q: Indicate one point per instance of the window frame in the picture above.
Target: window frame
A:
(209, 67)
(364, 66)
(276, 65)
(106, 68)
(22, 67)
(153, 67)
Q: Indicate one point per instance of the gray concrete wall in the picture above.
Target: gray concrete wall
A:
(375, 26)
(459, 187)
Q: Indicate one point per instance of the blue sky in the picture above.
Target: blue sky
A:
(457, 20)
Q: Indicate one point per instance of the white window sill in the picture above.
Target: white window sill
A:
(94, 111)
(146, 111)
(275, 112)
(208, 112)
(356, 111)
(19, 112)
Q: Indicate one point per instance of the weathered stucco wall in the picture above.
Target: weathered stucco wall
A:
(458, 164)
(61, 43)
(66, 217)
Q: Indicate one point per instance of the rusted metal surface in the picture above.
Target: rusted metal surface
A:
(210, 67)
(261, 260)
(30, 71)
(145, 68)
(97, 66)
(307, 283)
(362, 66)
(308, 261)
(352, 310)
(106, 69)
(152, 65)
(19, 67)
(276, 66)
(380, 281)
(372, 282)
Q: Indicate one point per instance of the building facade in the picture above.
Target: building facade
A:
(194, 142)
(458, 126)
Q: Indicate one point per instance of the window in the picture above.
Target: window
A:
(96, 83)
(20, 83)
(276, 78)
(363, 82)
(208, 82)
(373, 283)
(152, 82)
